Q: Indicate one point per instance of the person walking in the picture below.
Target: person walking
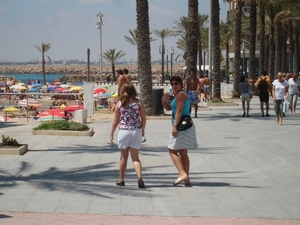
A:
(130, 118)
(180, 141)
(244, 90)
(127, 75)
(294, 91)
(264, 87)
(121, 81)
(192, 89)
(279, 93)
(206, 87)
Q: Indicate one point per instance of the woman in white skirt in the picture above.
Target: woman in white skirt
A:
(180, 141)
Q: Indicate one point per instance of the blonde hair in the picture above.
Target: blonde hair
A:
(127, 91)
(279, 75)
(295, 76)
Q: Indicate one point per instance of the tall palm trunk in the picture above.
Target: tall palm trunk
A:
(252, 39)
(271, 53)
(266, 52)
(200, 59)
(291, 48)
(278, 48)
(296, 55)
(262, 37)
(216, 50)
(192, 35)
(283, 52)
(144, 56)
(43, 69)
(237, 49)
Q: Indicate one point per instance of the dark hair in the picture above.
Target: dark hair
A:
(243, 79)
(176, 78)
(127, 91)
(120, 72)
(125, 71)
(265, 72)
(193, 70)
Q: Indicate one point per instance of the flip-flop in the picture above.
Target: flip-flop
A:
(179, 180)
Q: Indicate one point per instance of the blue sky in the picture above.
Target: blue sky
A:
(70, 26)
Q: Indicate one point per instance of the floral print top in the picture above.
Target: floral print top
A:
(130, 117)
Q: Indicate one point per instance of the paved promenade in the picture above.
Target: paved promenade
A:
(245, 171)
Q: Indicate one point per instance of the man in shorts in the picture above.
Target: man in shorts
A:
(263, 84)
(206, 87)
(192, 89)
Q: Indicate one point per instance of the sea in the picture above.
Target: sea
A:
(23, 78)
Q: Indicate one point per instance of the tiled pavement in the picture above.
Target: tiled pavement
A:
(245, 171)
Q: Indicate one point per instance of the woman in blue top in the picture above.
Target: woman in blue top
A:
(180, 141)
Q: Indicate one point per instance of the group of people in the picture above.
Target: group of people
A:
(130, 119)
(285, 88)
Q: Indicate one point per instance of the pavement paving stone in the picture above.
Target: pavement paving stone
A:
(245, 170)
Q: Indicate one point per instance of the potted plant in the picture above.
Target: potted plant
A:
(10, 146)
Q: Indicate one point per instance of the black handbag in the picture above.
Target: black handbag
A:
(185, 123)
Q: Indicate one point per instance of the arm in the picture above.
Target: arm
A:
(180, 98)
(273, 94)
(115, 122)
(287, 92)
(143, 118)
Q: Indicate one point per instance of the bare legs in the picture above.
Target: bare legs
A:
(181, 160)
(246, 109)
(135, 159)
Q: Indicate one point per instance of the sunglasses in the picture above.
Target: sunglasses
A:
(176, 83)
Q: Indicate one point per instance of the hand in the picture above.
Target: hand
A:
(274, 99)
(112, 138)
(174, 131)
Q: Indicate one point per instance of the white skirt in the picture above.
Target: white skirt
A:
(185, 139)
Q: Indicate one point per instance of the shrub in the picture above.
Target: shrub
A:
(61, 125)
(6, 140)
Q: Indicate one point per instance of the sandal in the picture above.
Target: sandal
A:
(120, 183)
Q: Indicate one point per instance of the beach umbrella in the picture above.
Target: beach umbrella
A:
(76, 88)
(99, 90)
(19, 88)
(105, 85)
(72, 108)
(31, 102)
(52, 112)
(62, 107)
(102, 95)
(9, 82)
(2, 85)
(49, 118)
(52, 88)
(33, 90)
(64, 85)
(115, 95)
(9, 109)
(60, 89)
(36, 85)
(57, 83)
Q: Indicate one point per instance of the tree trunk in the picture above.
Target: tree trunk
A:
(261, 38)
(43, 69)
(291, 48)
(283, 52)
(296, 54)
(192, 35)
(252, 39)
(237, 49)
(271, 54)
(144, 56)
(216, 50)
(278, 48)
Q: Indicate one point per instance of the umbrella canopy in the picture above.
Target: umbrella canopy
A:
(60, 89)
(19, 88)
(36, 85)
(104, 95)
(99, 90)
(57, 83)
(2, 85)
(64, 85)
(52, 112)
(76, 88)
(33, 90)
(52, 88)
(30, 102)
(72, 108)
(49, 118)
(9, 82)
(11, 109)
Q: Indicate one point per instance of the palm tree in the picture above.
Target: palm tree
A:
(112, 56)
(44, 48)
(227, 33)
(164, 33)
(237, 49)
(203, 19)
(144, 55)
(252, 38)
(192, 36)
(215, 20)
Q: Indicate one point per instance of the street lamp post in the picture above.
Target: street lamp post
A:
(99, 26)
(172, 61)
(167, 65)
